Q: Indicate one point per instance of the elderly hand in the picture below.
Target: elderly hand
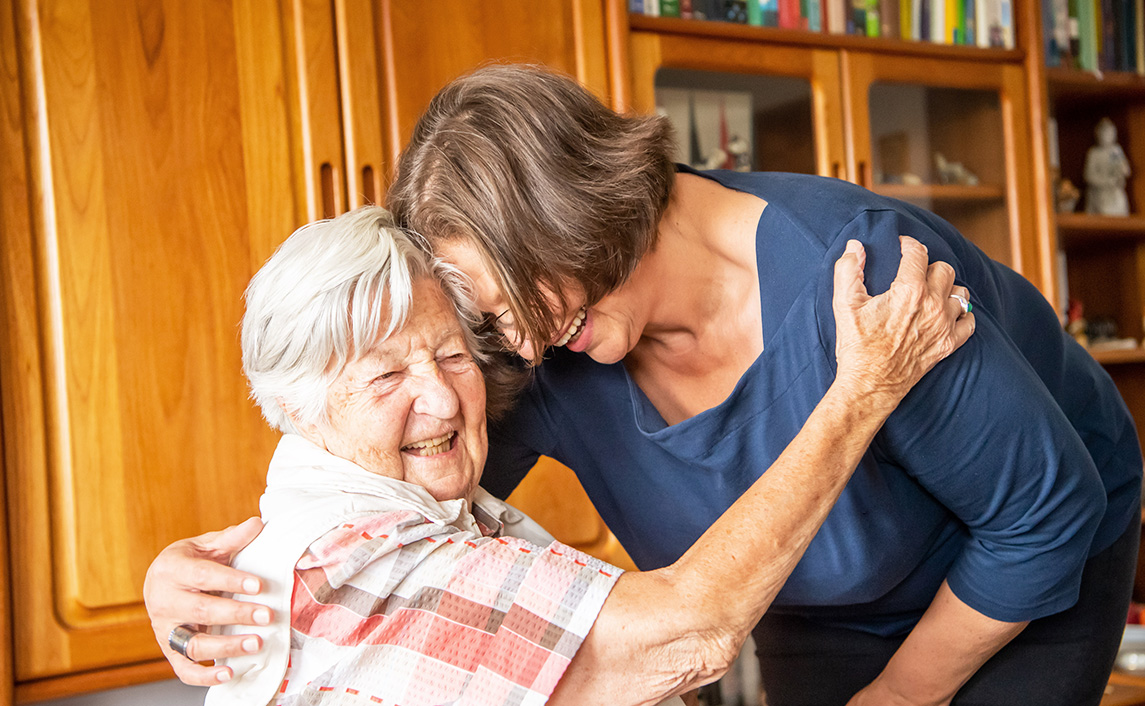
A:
(887, 343)
(178, 590)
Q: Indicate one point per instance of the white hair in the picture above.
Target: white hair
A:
(318, 304)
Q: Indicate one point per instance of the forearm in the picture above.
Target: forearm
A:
(945, 649)
(663, 632)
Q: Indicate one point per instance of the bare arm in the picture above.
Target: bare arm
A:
(663, 632)
(946, 648)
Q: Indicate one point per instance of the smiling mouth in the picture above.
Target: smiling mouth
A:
(431, 447)
(575, 329)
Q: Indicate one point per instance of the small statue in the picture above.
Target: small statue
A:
(953, 172)
(1106, 169)
(1067, 196)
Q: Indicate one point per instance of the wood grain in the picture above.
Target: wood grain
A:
(161, 143)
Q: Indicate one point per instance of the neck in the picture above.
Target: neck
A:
(706, 249)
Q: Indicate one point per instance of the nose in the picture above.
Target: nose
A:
(435, 395)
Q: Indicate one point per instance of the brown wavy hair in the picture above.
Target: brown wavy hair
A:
(551, 186)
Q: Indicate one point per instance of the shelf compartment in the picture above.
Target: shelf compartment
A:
(1079, 229)
(943, 193)
(1074, 84)
(1114, 357)
(774, 35)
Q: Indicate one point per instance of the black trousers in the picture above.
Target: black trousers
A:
(1060, 660)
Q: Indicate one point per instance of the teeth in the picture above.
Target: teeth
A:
(430, 447)
(574, 329)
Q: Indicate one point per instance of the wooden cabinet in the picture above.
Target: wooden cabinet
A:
(876, 113)
(154, 152)
(1105, 255)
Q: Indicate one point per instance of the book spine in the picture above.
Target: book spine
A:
(1139, 24)
(669, 8)
(938, 21)
(1006, 17)
(1107, 60)
(906, 19)
(837, 16)
(889, 19)
(754, 13)
(769, 13)
(636, 7)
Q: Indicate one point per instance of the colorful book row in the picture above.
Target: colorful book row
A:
(984, 23)
(1095, 35)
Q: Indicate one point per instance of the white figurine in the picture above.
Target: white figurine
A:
(1106, 169)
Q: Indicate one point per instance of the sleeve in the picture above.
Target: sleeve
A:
(984, 436)
(402, 610)
(516, 441)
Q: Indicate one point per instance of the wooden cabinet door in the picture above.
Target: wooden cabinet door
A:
(395, 55)
(902, 112)
(794, 92)
(164, 154)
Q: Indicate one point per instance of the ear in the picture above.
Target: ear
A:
(309, 431)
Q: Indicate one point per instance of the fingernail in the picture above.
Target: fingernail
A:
(250, 645)
(853, 246)
(250, 585)
(222, 676)
(262, 616)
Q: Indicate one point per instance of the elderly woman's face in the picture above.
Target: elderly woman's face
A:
(413, 407)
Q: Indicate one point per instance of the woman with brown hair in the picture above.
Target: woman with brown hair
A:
(680, 328)
(680, 332)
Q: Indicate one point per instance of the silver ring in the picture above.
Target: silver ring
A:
(966, 306)
(180, 637)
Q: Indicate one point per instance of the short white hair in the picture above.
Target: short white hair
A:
(318, 303)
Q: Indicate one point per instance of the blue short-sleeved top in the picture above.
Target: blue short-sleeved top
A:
(1002, 471)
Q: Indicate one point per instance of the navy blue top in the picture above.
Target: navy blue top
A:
(1002, 471)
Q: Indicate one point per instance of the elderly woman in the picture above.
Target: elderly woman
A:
(385, 563)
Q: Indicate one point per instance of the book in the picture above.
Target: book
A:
(754, 13)
(669, 8)
(1087, 35)
(813, 19)
(837, 16)
(889, 19)
(1139, 23)
(938, 15)
(769, 13)
(906, 19)
(789, 17)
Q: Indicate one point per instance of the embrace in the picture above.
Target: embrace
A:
(701, 348)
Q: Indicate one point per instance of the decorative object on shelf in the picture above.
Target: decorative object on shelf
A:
(1075, 322)
(1066, 196)
(953, 172)
(1106, 169)
(714, 128)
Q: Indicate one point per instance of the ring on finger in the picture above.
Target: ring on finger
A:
(967, 307)
(180, 637)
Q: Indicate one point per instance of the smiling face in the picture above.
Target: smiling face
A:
(607, 331)
(413, 406)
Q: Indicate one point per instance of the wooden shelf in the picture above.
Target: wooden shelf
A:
(1079, 229)
(773, 35)
(1073, 84)
(942, 193)
(1115, 357)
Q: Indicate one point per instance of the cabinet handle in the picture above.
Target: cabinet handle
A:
(864, 174)
(328, 190)
(837, 170)
(369, 186)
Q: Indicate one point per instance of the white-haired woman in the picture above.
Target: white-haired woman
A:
(385, 564)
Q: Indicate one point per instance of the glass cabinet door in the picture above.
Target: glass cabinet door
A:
(741, 105)
(950, 141)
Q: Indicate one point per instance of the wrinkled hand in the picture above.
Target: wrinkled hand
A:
(887, 343)
(178, 590)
